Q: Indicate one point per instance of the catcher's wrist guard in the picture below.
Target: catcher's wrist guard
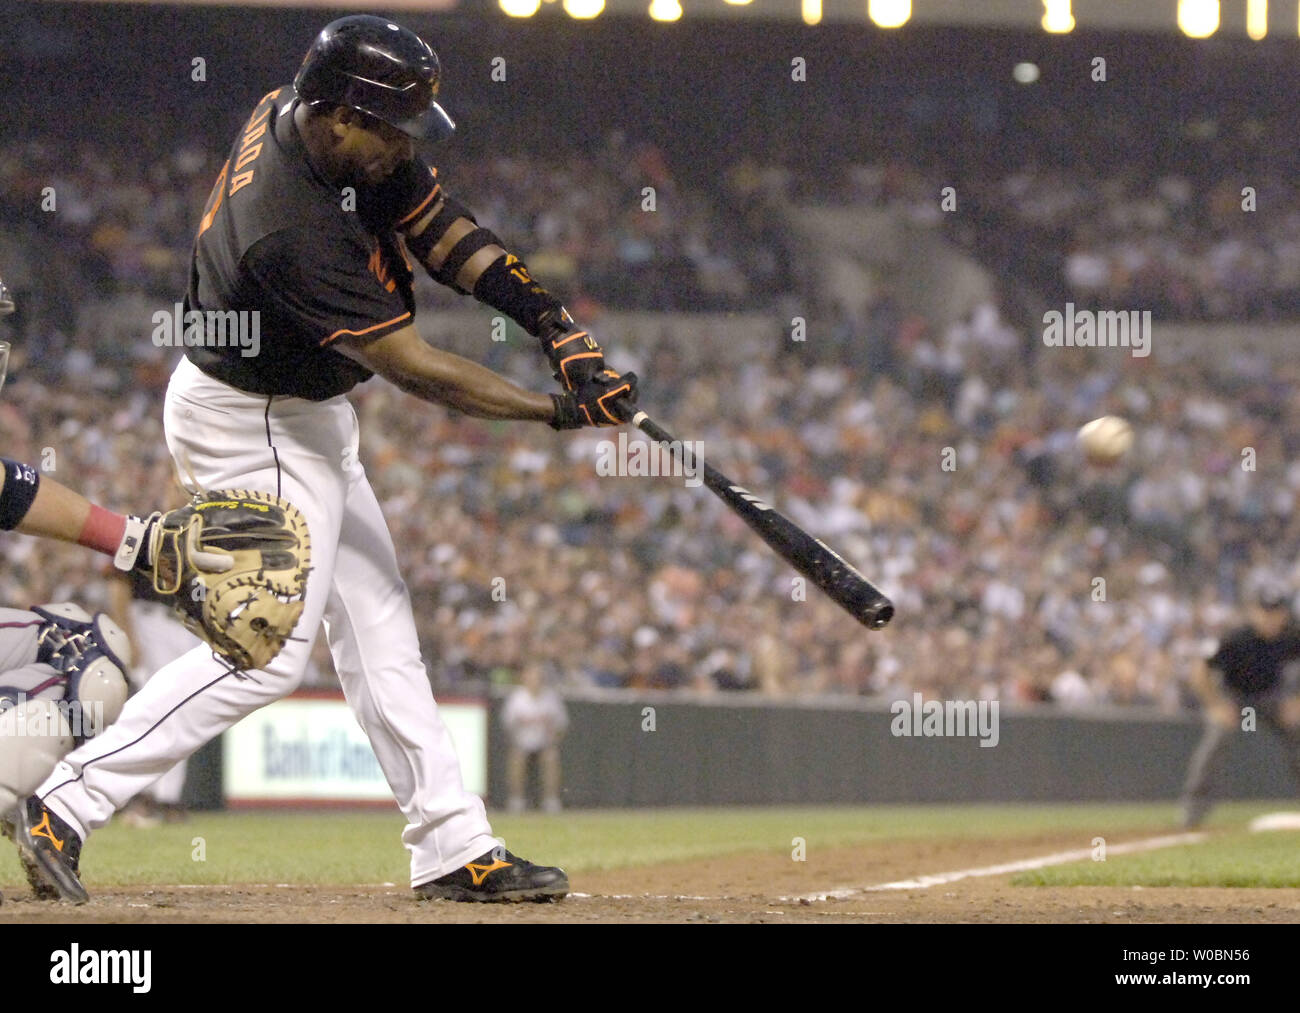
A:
(135, 539)
(22, 482)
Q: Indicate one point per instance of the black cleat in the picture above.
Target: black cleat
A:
(498, 876)
(50, 852)
(9, 827)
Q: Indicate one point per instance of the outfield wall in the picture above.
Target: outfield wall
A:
(737, 751)
(746, 750)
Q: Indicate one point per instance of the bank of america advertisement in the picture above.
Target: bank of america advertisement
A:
(308, 749)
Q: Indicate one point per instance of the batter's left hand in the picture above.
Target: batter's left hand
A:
(599, 402)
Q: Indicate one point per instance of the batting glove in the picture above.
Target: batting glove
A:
(596, 403)
(573, 353)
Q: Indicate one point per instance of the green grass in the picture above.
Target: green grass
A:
(365, 847)
(1234, 859)
(611, 839)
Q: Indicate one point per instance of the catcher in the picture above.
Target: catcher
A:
(232, 564)
(62, 681)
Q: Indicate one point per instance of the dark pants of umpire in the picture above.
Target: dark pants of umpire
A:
(1207, 762)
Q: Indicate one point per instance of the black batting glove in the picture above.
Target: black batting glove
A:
(599, 402)
(573, 353)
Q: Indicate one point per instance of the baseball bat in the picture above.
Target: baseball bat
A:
(810, 556)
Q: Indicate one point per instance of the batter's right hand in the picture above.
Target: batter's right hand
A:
(598, 402)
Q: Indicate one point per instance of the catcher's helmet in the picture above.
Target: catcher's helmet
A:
(380, 68)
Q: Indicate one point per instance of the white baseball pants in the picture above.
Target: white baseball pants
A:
(159, 638)
(305, 451)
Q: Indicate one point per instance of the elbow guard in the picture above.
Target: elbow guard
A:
(466, 249)
(432, 234)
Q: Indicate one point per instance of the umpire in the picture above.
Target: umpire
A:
(1251, 668)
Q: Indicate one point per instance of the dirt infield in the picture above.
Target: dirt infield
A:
(756, 888)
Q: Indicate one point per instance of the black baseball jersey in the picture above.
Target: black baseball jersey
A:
(1250, 664)
(279, 239)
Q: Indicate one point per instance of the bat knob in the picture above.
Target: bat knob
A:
(878, 617)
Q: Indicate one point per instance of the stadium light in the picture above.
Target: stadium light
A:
(1199, 19)
(1057, 17)
(520, 8)
(1257, 19)
(811, 11)
(583, 9)
(738, 3)
(665, 10)
(889, 13)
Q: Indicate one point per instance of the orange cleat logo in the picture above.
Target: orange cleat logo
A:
(478, 873)
(44, 830)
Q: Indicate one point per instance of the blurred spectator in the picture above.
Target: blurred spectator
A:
(535, 720)
(993, 565)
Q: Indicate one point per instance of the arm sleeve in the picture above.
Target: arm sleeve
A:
(323, 285)
(504, 284)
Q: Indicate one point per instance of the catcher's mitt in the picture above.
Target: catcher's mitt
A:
(234, 565)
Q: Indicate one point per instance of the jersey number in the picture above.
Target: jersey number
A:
(248, 152)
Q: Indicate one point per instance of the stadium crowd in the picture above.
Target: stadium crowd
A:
(1223, 251)
(1019, 571)
(123, 228)
(942, 464)
(1186, 247)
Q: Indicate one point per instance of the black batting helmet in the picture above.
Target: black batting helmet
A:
(380, 68)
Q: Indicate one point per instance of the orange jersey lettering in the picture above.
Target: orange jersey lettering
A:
(379, 268)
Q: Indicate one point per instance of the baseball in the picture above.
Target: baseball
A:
(1106, 440)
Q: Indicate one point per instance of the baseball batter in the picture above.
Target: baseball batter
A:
(310, 225)
(158, 638)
